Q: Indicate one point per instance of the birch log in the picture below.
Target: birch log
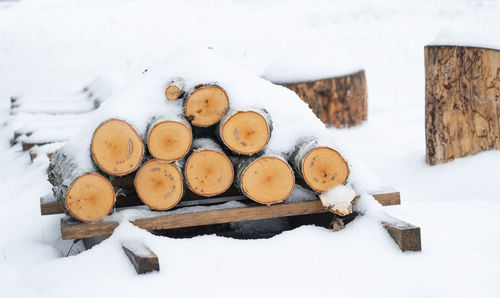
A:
(205, 105)
(266, 179)
(169, 139)
(208, 171)
(245, 132)
(175, 89)
(159, 184)
(116, 147)
(321, 167)
(84, 194)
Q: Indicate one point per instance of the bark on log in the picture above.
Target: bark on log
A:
(84, 194)
(208, 171)
(321, 167)
(169, 139)
(266, 179)
(205, 105)
(116, 148)
(159, 184)
(245, 132)
(175, 89)
(339, 101)
(462, 101)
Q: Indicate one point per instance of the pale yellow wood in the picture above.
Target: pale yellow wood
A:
(324, 168)
(208, 172)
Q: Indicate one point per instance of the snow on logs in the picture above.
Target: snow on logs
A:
(181, 159)
(117, 148)
(84, 194)
(208, 171)
(205, 105)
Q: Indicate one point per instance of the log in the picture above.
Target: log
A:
(462, 101)
(205, 105)
(159, 184)
(208, 171)
(116, 147)
(169, 139)
(245, 132)
(267, 179)
(175, 89)
(83, 193)
(339, 200)
(321, 167)
(339, 101)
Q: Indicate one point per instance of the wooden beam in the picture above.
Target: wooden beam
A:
(142, 258)
(48, 205)
(71, 229)
(406, 236)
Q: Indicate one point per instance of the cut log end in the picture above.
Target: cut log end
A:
(206, 105)
(172, 92)
(159, 184)
(324, 168)
(208, 173)
(268, 180)
(90, 198)
(169, 140)
(117, 148)
(245, 132)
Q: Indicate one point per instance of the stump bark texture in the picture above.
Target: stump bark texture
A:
(462, 101)
(339, 101)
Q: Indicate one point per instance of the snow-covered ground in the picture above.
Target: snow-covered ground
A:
(56, 46)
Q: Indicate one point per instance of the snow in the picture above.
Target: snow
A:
(339, 199)
(55, 47)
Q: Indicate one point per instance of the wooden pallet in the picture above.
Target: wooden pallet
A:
(218, 210)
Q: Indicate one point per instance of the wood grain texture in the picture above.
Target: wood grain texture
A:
(462, 101)
(339, 101)
(143, 260)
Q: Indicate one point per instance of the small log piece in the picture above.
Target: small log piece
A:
(85, 195)
(267, 179)
(175, 89)
(159, 184)
(245, 132)
(339, 200)
(116, 148)
(462, 101)
(142, 258)
(339, 101)
(321, 167)
(208, 171)
(169, 139)
(205, 105)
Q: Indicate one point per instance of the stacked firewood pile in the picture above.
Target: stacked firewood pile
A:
(205, 150)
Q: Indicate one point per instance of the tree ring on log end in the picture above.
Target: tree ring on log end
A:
(117, 148)
(245, 132)
(159, 184)
(208, 172)
(169, 140)
(206, 105)
(172, 92)
(268, 180)
(90, 198)
(324, 168)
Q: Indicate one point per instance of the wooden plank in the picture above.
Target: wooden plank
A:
(406, 236)
(76, 230)
(142, 258)
(388, 198)
(48, 205)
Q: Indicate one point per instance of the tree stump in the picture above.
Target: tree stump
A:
(462, 101)
(339, 101)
